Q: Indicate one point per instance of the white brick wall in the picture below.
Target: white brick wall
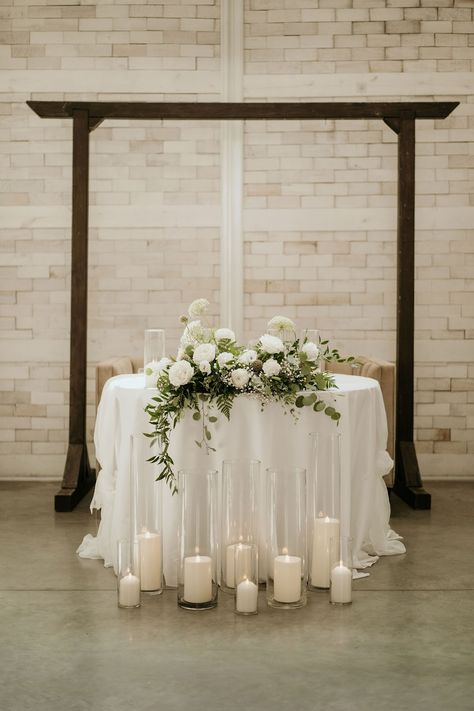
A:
(319, 197)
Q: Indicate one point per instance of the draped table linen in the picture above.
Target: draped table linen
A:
(276, 439)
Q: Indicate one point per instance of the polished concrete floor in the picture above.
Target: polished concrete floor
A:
(407, 642)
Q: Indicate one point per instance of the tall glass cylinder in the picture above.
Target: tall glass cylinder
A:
(238, 515)
(147, 515)
(128, 575)
(154, 351)
(286, 539)
(324, 508)
(197, 539)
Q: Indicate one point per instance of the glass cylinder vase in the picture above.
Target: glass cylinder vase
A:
(286, 539)
(324, 508)
(238, 515)
(146, 515)
(340, 592)
(154, 351)
(246, 579)
(128, 575)
(197, 540)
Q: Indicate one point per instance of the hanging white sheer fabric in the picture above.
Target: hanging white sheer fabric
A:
(271, 436)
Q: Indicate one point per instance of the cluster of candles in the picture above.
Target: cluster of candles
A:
(327, 571)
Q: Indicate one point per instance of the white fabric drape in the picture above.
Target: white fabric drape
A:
(273, 437)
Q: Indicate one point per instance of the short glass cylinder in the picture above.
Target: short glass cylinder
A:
(154, 351)
(324, 508)
(197, 540)
(286, 539)
(238, 514)
(146, 514)
(128, 575)
(340, 592)
(246, 579)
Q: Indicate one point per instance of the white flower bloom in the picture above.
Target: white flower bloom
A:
(192, 334)
(271, 344)
(205, 351)
(224, 334)
(247, 356)
(240, 378)
(180, 354)
(311, 350)
(198, 308)
(281, 323)
(224, 358)
(271, 367)
(293, 360)
(180, 373)
(160, 366)
(205, 367)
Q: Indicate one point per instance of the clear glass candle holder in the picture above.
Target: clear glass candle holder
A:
(154, 351)
(238, 514)
(246, 579)
(340, 592)
(324, 528)
(286, 539)
(128, 575)
(146, 514)
(197, 539)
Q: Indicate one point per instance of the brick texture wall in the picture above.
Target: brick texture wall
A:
(319, 197)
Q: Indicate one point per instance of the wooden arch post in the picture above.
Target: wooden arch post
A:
(399, 116)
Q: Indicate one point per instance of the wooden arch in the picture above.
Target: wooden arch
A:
(399, 116)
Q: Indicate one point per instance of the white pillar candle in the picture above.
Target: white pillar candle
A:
(129, 591)
(150, 380)
(197, 579)
(246, 597)
(323, 557)
(287, 578)
(341, 584)
(150, 560)
(245, 559)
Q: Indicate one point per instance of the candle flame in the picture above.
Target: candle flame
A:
(285, 551)
(327, 519)
(196, 550)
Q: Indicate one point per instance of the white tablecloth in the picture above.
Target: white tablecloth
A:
(272, 437)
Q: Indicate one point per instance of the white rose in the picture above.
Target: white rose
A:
(247, 356)
(224, 334)
(271, 367)
(205, 367)
(198, 308)
(311, 350)
(180, 373)
(156, 367)
(205, 351)
(224, 358)
(271, 344)
(240, 378)
(281, 323)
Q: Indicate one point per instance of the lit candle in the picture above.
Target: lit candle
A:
(151, 374)
(245, 561)
(324, 555)
(341, 584)
(197, 578)
(129, 591)
(150, 560)
(246, 597)
(287, 578)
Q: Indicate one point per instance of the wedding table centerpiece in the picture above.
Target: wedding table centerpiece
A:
(211, 369)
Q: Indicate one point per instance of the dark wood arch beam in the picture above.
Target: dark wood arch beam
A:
(399, 116)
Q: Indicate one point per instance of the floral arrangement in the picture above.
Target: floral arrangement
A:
(211, 369)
